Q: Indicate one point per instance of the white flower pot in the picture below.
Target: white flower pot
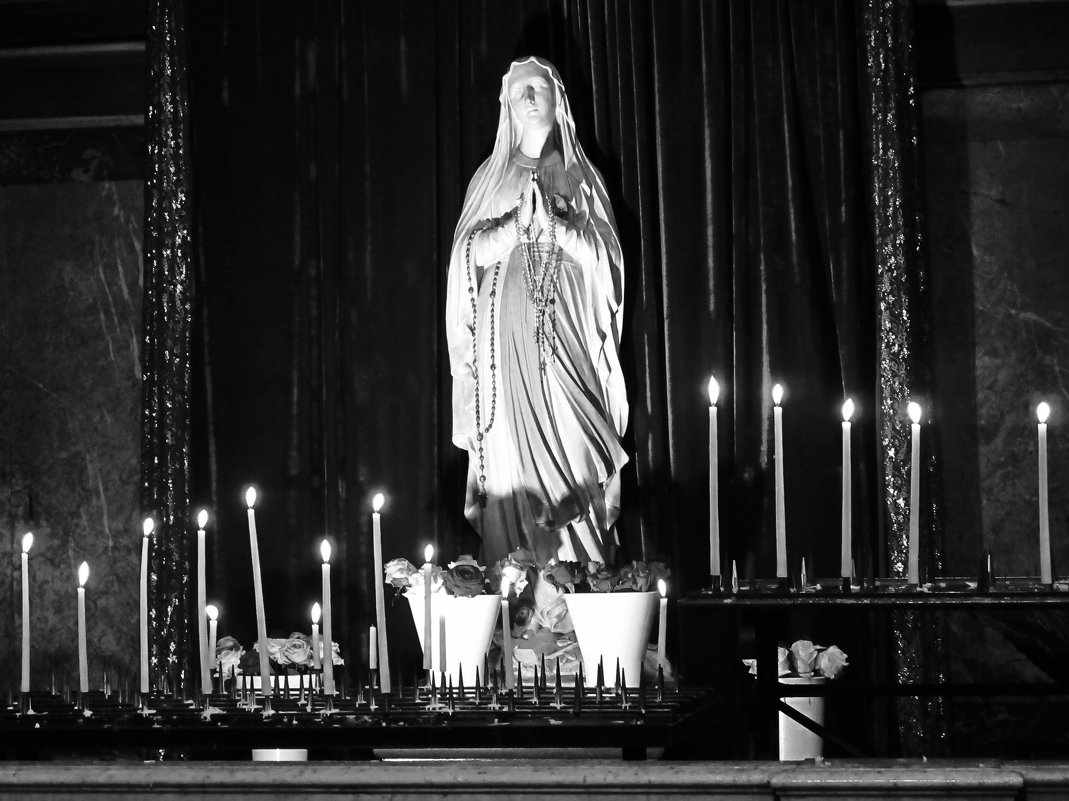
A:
(469, 626)
(795, 740)
(612, 626)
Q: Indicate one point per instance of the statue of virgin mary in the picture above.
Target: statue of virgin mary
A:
(534, 304)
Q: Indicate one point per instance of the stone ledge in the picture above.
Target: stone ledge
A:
(546, 779)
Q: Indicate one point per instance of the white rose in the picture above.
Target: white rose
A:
(831, 661)
(784, 666)
(805, 656)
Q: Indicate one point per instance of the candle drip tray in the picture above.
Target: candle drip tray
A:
(359, 723)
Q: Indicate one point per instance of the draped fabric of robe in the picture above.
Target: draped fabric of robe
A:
(551, 414)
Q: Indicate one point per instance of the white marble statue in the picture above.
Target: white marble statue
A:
(534, 305)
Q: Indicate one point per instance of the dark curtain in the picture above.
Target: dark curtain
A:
(333, 143)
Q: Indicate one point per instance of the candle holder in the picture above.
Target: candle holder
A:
(846, 585)
(716, 586)
(783, 585)
(986, 579)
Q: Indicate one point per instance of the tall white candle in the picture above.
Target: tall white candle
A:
(328, 641)
(428, 554)
(781, 515)
(714, 483)
(1046, 573)
(846, 560)
(27, 543)
(202, 634)
(662, 620)
(147, 528)
(83, 657)
(382, 647)
(258, 593)
(913, 567)
(506, 638)
(317, 611)
(212, 613)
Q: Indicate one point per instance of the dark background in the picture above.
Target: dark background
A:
(331, 150)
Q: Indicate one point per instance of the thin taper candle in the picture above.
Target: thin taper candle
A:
(442, 664)
(212, 613)
(202, 615)
(146, 527)
(258, 594)
(714, 483)
(662, 621)
(1045, 570)
(506, 637)
(328, 641)
(781, 514)
(382, 645)
(27, 543)
(83, 657)
(913, 566)
(428, 631)
(373, 650)
(317, 612)
(846, 559)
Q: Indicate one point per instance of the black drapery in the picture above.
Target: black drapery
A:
(332, 146)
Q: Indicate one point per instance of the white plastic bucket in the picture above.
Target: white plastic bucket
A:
(795, 740)
(469, 626)
(612, 626)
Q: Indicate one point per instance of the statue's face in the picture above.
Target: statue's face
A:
(532, 96)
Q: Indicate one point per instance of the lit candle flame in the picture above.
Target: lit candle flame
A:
(377, 502)
(202, 518)
(83, 574)
(662, 588)
(148, 525)
(777, 394)
(848, 410)
(317, 612)
(212, 611)
(27, 542)
(1043, 411)
(714, 390)
(428, 553)
(324, 549)
(914, 410)
(250, 497)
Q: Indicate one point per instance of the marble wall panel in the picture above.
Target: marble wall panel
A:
(997, 171)
(70, 299)
(997, 168)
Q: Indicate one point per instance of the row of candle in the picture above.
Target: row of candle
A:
(208, 614)
(83, 661)
(846, 559)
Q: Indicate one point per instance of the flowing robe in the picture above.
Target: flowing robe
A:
(552, 455)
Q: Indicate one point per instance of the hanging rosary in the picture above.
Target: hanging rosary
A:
(541, 268)
(480, 432)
